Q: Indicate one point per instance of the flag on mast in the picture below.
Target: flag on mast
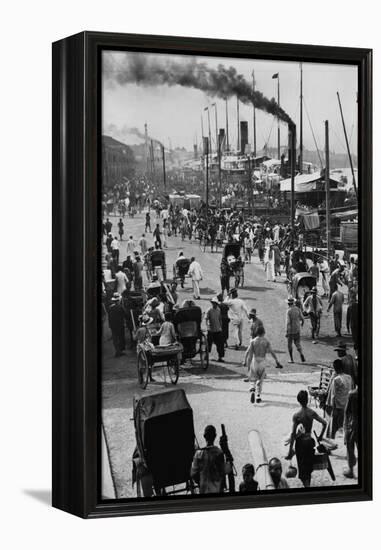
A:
(276, 75)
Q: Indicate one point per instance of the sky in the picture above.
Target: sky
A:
(173, 113)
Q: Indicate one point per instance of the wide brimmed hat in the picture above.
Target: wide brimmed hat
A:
(253, 311)
(341, 347)
(115, 297)
(146, 319)
(290, 300)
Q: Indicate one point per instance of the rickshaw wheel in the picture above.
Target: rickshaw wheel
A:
(143, 370)
(173, 370)
(204, 352)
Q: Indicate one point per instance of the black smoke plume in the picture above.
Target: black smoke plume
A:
(146, 70)
(138, 133)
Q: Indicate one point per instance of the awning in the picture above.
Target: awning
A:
(347, 214)
(311, 220)
(303, 183)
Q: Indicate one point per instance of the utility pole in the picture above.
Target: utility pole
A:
(215, 113)
(163, 157)
(301, 121)
(250, 187)
(219, 169)
(210, 136)
(202, 128)
(152, 156)
(238, 145)
(292, 138)
(254, 122)
(146, 147)
(206, 152)
(327, 189)
(347, 143)
(227, 125)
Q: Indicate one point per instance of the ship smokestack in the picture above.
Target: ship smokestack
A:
(221, 140)
(244, 133)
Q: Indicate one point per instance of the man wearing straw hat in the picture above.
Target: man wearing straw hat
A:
(294, 319)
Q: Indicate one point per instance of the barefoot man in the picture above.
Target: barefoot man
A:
(255, 361)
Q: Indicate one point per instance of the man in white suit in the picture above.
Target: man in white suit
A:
(195, 272)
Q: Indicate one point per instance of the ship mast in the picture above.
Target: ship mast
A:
(238, 147)
(301, 121)
(254, 122)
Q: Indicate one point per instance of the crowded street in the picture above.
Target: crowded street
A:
(220, 394)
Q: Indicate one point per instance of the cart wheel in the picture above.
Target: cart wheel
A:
(204, 352)
(173, 370)
(143, 370)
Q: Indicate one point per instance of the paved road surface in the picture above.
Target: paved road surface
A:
(220, 395)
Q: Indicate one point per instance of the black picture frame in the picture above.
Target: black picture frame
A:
(76, 223)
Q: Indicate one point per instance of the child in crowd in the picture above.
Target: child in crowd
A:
(167, 332)
(275, 468)
(248, 483)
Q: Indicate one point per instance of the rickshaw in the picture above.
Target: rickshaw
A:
(165, 444)
(301, 285)
(180, 269)
(156, 263)
(187, 321)
(232, 253)
(151, 355)
(133, 304)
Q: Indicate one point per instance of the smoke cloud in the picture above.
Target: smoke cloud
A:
(146, 70)
(138, 133)
(121, 133)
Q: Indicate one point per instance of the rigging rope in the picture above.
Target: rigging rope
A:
(271, 129)
(313, 134)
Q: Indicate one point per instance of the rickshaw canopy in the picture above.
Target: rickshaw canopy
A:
(232, 249)
(165, 435)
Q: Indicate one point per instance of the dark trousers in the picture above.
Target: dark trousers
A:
(351, 439)
(147, 227)
(337, 318)
(115, 255)
(217, 339)
(225, 329)
(332, 287)
(118, 339)
(315, 323)
(225, 283)
(335, 423)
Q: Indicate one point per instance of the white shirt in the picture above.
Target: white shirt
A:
(237, 309)
(195, 271)
(115, 244)
(130, 247)
(121, 282)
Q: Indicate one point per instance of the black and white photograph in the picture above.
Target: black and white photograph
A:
(230, 354)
